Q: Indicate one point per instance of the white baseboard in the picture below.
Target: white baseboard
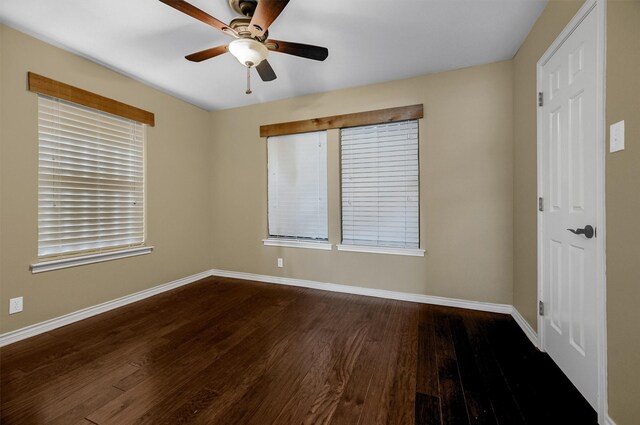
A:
(38, 328)
(525, 326)
(369, 292)
(48, 325)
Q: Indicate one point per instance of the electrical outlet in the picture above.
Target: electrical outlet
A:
(15, 305)
(280, 262)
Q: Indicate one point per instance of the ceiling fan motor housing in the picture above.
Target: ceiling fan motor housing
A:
(244, 7)
(241, 26)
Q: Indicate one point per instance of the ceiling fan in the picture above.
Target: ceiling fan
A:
(251, 45)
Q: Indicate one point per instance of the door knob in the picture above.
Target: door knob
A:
(588, 231)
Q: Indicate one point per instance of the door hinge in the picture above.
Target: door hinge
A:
(540, 99)
(541, 308)
(540, 203)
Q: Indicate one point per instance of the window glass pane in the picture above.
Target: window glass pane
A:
(297, 185)
(380, 185)
(90, 179)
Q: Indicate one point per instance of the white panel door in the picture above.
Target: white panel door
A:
(569, 190)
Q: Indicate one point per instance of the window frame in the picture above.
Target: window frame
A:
(61, 92)
(299, 241)
(355, 119)
(382, 249)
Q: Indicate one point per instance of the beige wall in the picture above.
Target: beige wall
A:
(178, 196)
(466, 188)
(623, 212)
(552, 21)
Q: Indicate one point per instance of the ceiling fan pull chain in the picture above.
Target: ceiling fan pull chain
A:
(248, 81)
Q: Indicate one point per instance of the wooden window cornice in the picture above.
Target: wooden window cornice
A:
(379, 116)
(48, 87)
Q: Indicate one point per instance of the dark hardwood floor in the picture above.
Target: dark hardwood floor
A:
(480, 368)
(225, 351)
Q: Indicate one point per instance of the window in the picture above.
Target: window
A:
(380, 186)
(90, 180)
(297, 186)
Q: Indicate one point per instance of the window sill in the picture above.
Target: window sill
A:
(292, 243)
(382, 250)
(64, 263)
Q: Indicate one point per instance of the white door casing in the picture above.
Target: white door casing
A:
(570, 173)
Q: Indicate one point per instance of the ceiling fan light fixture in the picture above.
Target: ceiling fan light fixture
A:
(248, 51)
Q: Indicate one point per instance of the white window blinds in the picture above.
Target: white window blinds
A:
(380, 187)
(297, 183)
(91, 179)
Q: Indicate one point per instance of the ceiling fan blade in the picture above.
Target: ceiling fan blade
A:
(266, 12)
(297, 49)
(200, 15)
(207, 54)
(265, 71)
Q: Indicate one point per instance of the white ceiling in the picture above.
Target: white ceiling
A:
(369, 41)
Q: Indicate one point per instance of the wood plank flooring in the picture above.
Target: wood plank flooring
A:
(480, 368)
(224, 351)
